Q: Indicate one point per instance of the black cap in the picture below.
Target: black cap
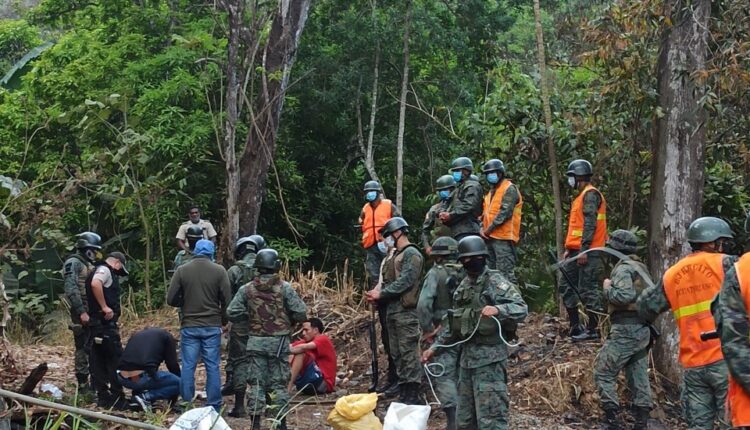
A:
(119, 256)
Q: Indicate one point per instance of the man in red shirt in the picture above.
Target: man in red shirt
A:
(313, 360)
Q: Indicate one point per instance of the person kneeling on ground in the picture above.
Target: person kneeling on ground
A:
(313, 360)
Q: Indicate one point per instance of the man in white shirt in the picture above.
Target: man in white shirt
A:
(194, 218)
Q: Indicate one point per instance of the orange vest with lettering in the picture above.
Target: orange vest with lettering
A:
(510, 229)
(374, 220)
(690, 286)
(575, 222)
(738, 399)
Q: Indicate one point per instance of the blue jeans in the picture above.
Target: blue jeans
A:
(166, 385)
(203, 343)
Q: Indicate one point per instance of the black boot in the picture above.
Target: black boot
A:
(390, 389)
(575, 322)
(256, 422)
(228, 388)
(239, 406)
(410, 394)
(641, 418)
(450, 417)
(611, 421)
(84, 388)
(592, 329)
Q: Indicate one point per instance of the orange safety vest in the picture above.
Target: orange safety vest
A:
(690, 286)
(575, 222)
(374, 220)
(738, 400)
(510, 229)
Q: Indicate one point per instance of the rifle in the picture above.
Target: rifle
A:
(556, 265)
(708, 335)
(373, 350)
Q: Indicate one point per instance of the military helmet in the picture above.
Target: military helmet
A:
(493, 165)
(372, 186)
(444, 245)
(444, 182)
(474, 177)
(243, 246)
(462, 163)
(268, 259)
(707, 229)
(89, 239)
(470, 246)
(623, 241)
(194, 232)
(259, 241)
(393, 225)
(580, 167)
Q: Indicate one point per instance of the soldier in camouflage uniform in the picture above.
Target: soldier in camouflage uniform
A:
(432, 228)
(76, 269)
(687, 288)
(269, 306)
(401, 296)
(501, 219)
(465, 205)
(194, 234)
(482, 380)
(435, 299)
(627, 345)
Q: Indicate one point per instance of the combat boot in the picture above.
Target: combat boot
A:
(575, 322)
(256, 422)
(641, 417)
(592, 329)
(228, 388)
(238, 411)
(390, 389)
(611, 421)
(84, 388)
(450, 418)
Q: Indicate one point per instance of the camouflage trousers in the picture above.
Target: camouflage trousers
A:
(586, 279)
(373, 259)
(502, 257)
(268, 375)
(704, 395)
(237, 359)
(81, 335)
(404, 334)
(445, 385)
(624, 349)
(483, 397)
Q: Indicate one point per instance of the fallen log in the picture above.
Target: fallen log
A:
(33, 379)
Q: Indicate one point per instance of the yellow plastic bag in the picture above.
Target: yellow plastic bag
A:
(355, 406)
(367, 422)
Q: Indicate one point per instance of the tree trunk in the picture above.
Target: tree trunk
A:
(402, 112)
(370, 155)
(677, 178)
(277, 60)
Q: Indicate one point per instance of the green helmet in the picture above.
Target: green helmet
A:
(444, 245)
(462, 163)
(259, 241)
(268, 259)
(707, 229)
(243, 246)
(623, 241)
(372, 186)
(194, 232)
(470, 246)
(493, 165)
(393, 225)
(89, 239)
(580, 168)
(444, 182)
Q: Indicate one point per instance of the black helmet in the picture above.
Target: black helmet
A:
(393, 225)
(89, 239)
(462, 163)
(243, 246)
(372, 186)
(471, 245)
(260, 243)
(194, 232)
(707, 229)
(579, 167)
(444, 182)
(623, 241)
(444, 245)
(493, 165)
(268, 259)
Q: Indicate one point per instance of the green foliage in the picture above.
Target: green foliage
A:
(17, 37)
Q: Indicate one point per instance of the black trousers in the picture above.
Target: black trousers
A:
(104, 356)
(382, 315)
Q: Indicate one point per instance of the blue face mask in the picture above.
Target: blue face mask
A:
(444, 194)
(457, 175)
(371, 196)
(492, 178)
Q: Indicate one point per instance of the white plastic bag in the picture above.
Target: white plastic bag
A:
(200, 419)
(406, 417)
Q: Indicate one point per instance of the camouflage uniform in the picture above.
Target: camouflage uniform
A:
(239, 274)
(435, 299)
(703, 389)
(432, 227)
(482, 380)
(75, 271)
(465, 207)
(269, 306)
(502, 253)
(182, 257)
(627, 344)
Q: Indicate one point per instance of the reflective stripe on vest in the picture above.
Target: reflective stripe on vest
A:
(576, 221)
(374, 220)
(690, 286)
(510, 229)
(738, 400)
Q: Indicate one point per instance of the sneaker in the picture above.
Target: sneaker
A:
(144, 404)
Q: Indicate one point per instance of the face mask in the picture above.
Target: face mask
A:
(444, 194)
(390, 242)
(492, 178)
(457, 175)
(382, 247)
(572, 181)
(371, 196)
(474, 266)
(92, 255)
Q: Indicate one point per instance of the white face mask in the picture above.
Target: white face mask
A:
(572, 181)
(389, 242)
(382, 247)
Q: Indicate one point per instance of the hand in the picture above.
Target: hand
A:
(430, 337)
(427, 355)
(583, 259)
(85, 318)
(444, 216)
(565, 254)
(108, 313)
(225, 328)
(489, 311)
(484, 235)
(373, 295)
(290, 388)
(607, 284)
(428, 250)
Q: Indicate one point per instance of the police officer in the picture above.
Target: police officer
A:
(76, 269)
(465, 205)
(400, 294)
(687, 288)
(484, 300)
(435, 299)
(432, 227)
(269, 306)
(627, 345)
(194, 234)
(587, 228)
(501, 219)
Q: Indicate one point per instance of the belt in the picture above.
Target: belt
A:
(132, 375)
(626, 317)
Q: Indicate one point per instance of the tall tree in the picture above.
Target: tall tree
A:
(677, 175)
(402, 111)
